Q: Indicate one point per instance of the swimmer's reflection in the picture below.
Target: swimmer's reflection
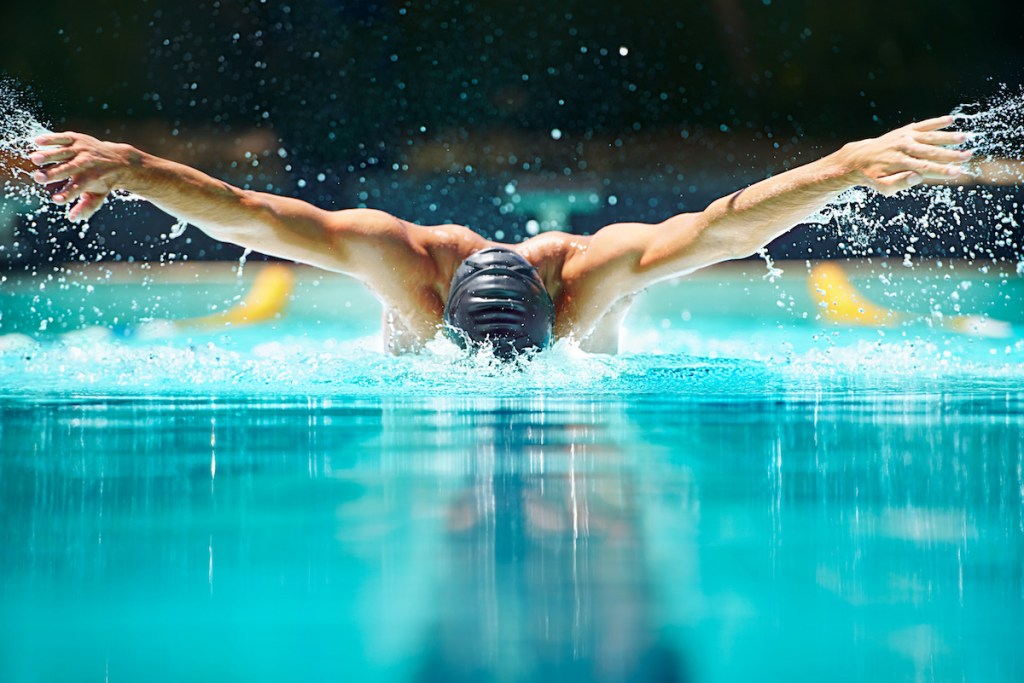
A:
(544, 574)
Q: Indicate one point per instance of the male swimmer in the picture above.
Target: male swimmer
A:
(510, 296)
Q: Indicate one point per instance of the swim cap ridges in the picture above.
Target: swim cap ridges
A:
(498, 297)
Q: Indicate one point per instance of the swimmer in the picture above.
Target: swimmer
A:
(510, 296)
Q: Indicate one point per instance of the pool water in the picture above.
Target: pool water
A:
(744, 493)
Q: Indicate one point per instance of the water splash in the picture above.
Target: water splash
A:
(979, 212)
(845, 213)
(773, 271)
(996, 126)
(241, 262)
(19, 126)
(686, 364)
(99, 362)
(26, 206)
(178, 229)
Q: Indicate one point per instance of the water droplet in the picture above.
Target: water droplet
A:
(177, 230)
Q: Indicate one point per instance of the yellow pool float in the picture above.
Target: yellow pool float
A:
(840, 303)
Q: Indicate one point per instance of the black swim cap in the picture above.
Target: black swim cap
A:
(497, 297)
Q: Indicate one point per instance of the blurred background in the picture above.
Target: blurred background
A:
(510, 118)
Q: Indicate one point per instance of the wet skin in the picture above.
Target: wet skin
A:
(408, 267)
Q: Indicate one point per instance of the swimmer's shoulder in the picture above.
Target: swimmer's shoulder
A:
(550, 252)
(550, 246)
(447, 244)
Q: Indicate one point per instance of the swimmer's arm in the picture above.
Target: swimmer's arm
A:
(354, 241)
(634, 255)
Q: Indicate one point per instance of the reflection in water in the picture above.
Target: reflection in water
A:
(544, 573)
(876, 538)
(655, 539)
(126, 555)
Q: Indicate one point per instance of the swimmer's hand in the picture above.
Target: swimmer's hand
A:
(85, 170)
(906, 156)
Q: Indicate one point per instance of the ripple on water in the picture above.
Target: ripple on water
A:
(101, 364)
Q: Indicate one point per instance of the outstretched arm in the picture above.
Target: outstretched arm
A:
(627, 257)
(360, 242)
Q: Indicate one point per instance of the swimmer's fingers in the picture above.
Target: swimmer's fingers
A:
(68, 193)
(52, 156)
(55, 174)
(930, 169)
(897, 182)
(81, 172)
(89, 205)
(89, 180)
(932, 124)
(54, 139)
(940, 154)
(941, 137)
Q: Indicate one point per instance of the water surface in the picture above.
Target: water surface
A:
(729, 499)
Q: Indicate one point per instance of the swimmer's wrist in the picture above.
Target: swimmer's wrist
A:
(844, 168)
(137, 168)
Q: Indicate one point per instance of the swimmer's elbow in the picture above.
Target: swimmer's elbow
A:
(239, 215)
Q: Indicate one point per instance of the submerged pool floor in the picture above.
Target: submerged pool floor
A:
(735, 497)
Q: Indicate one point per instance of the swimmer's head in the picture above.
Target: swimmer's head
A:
(498, 298)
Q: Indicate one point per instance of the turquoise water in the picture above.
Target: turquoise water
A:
(744, 493)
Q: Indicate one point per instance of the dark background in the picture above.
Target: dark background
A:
(470, 111)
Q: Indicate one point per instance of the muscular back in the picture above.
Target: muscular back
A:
(414, 304)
